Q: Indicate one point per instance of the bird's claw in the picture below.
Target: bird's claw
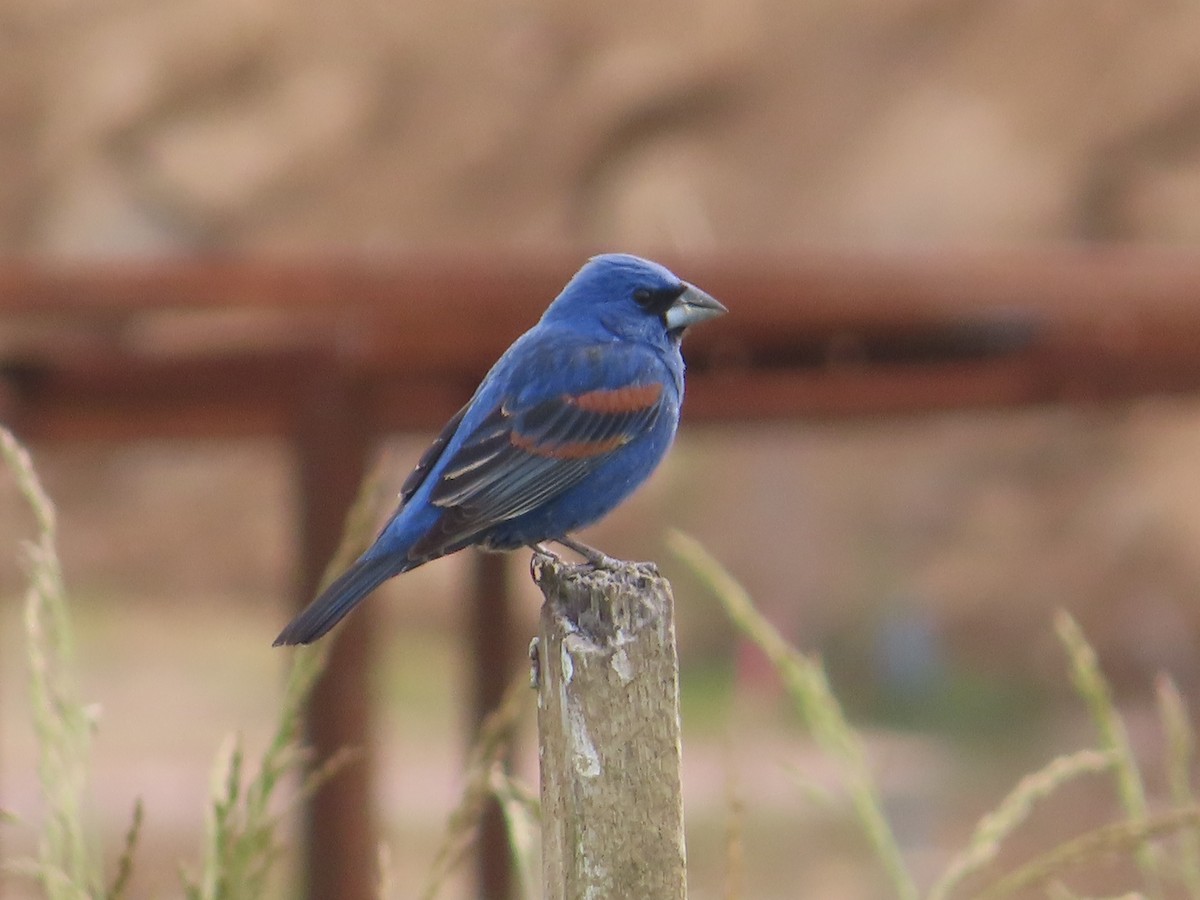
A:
(592, 558)
(543, 550)
(591, 555)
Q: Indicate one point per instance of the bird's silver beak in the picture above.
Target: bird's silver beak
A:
(691, 307)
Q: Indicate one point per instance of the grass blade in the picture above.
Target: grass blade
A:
(241, 842)
(1090, 683)
(1106, 841)
(1181, 751)
(63, 724)
(806, 683)
(997, 825)
(491, 745)
(522, 815)
(735, 827)
(125, 863)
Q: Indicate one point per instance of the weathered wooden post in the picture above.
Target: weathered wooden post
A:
(607, 677)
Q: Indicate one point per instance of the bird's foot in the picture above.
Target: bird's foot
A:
(541, 549)
(594, 557)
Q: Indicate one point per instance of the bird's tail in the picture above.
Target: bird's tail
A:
(338, 599)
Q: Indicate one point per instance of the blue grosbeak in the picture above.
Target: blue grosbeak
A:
(572, 418)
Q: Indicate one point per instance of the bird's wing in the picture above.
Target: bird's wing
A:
(527, 451)
(431, 455)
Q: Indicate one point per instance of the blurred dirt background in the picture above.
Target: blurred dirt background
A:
(922, 557)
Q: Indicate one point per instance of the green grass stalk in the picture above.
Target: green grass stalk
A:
(1114, 738)
(806, 683)
(735, 828)
(519, 805)
(120, 884)
(1104, 842)
(66, 865)
(995, 827)
(1180, 756)
(522, 817)
(245, 817)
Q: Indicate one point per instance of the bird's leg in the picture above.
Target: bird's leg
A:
(597, 559)
(542, 549)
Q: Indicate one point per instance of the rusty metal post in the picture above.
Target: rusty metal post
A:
(332, 438)
(493, 664)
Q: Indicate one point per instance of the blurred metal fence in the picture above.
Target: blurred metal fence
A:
(330, 355)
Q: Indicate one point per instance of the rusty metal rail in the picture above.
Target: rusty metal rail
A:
(212, 349)
(329, 355)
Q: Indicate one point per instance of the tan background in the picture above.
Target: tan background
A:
(370, 128)
(133, 128)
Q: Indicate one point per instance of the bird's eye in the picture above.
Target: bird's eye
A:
(657, 301)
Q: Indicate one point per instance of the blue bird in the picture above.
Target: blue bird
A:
(572, 418)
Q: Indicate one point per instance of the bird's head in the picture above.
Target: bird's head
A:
(633, 298)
